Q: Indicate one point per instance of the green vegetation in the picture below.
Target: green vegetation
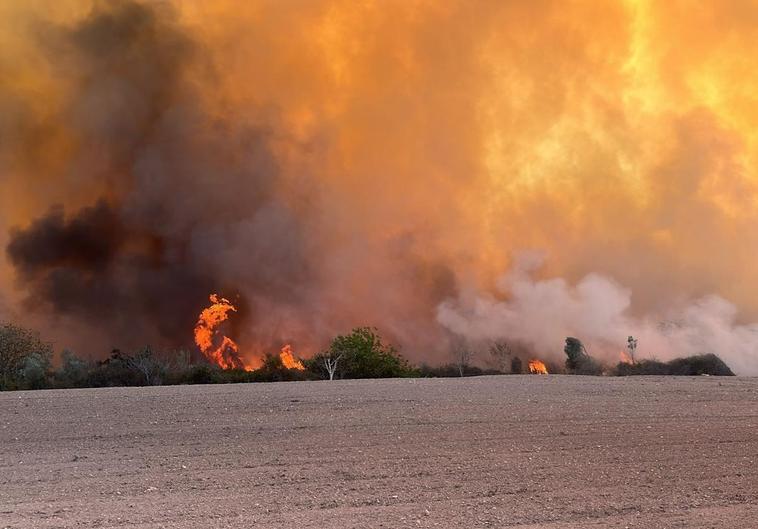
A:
(706, 364)
(25, 363)
(24, 358)
(578, 361)
(360, 354)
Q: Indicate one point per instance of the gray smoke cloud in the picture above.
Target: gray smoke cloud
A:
(541, 313)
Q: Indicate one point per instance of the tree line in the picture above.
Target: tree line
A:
(26, 363)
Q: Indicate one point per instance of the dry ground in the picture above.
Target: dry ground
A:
(511, 451)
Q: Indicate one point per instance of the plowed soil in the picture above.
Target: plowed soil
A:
(509, 451)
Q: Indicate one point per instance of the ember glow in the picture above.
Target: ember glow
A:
(215, 346)
(536, 367)
(341, 163)
(288, 359)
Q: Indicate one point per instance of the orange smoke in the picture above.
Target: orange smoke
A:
(252, 142)
(216, 347)
(288, 359)
(537, 367)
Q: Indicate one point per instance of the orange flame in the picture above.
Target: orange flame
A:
(226, 353)
(536, 367)
(288, 359)
(625, 358)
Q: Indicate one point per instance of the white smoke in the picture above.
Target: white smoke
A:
(541, 313)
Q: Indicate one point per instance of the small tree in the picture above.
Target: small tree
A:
(578, 361)
(575, 351)
(501, 352)
(463, 356)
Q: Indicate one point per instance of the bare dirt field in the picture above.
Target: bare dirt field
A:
(509, 451)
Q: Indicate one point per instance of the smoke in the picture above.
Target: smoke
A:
(540, 313)
(187, 200)
(331, 164)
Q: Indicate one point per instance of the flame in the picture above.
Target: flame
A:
(226, 353)
(536, 367)
(288, 359)
(625, 358)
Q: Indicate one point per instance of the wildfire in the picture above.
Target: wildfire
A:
(537, 367)
(223, 352)
(625, 358)
(288, 359)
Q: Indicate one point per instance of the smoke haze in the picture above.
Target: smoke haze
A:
(328, 164)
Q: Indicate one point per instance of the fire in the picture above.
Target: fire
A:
(537, 367)
(288, 359)
(224, 352)
(625, 358)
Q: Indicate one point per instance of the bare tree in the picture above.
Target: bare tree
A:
(145, 363)
(501, 353)
(463, 356)
(631, 346)
(330, 364)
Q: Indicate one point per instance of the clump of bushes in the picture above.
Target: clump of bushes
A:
(360, 354)
(453, 370)
(24, 358)
(578, 361)
(705, 364)
(273, 370)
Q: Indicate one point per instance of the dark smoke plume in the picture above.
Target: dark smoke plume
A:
(187, 201)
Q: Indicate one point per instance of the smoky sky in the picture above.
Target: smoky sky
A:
(331, 164)
(177, 186)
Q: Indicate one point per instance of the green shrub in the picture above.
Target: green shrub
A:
(24, 358)
(273, 370)
(74, 372)
(578, 362)
(201, 374)
(35, 372)
(361, 354)
(706, 364)
(586, 365)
